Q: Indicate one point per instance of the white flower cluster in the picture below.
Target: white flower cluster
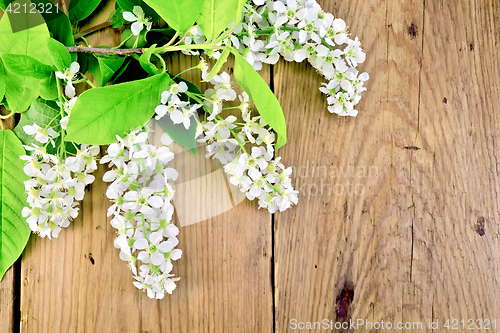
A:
(257, 174)
(55, 187)
(299, 30)
(142, 210)
(180, 112)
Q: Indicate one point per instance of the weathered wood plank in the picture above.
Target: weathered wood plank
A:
(400, 251)
(77, 283)
(7, 301)
(455, 176)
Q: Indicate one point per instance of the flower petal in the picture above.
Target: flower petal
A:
(128, 16)
(136, 28)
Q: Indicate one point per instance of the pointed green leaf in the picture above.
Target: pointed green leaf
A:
(178, 133)
(217, 15)
(81, 9)
(31, 42)
(109, 66)
(59, 54)
(122, 69)
(20, 91)
(117, 19)
(27, 66)
(2, 80)
(104, 68)
(100, 114)
(179, 15)
(14, 229)
(57, 21)
(257, 89)
(48, 88)
(146, 63)
(131, 42)
(218, 65)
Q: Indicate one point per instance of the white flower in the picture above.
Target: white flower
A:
(354, 53)
(184, 115)
(68, 76)
(42, 135)
(139, 20)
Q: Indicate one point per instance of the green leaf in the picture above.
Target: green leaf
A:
(2, 80)
(104, 68)
(133, 72)
(217, 15)
(100, 114)
(130, 43)
(14, 229)
(43, 113)
(31, 42)
(109, 66)
(23, 16)
(48, 88)
(178, 133)
(146, 63)
(218, 65)
(179, 15)
(57, 22)
(20, 91)
(59, 54)
(81, 9)
(117, 20)
(5, 3)
(257, 89)
(27, 66)
(122, 69)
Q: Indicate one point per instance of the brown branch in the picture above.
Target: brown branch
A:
(80, 48)
(93, 29)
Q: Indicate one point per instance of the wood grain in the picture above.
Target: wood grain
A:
(7, 294)
(398, 218)
(421, 242)
(77, 283)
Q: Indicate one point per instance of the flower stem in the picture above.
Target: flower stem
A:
(62, 148)
(74, 49)
(7, 116)
(326, 44)
(89, 82)
(186, 70)
(85, 41)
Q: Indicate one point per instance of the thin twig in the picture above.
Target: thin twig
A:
(93, 29)
(80, 48)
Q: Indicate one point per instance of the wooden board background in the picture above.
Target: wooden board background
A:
(398, 217)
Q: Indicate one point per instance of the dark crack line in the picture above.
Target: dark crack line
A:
(272, 271)
(420, 71)
(16, 313)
